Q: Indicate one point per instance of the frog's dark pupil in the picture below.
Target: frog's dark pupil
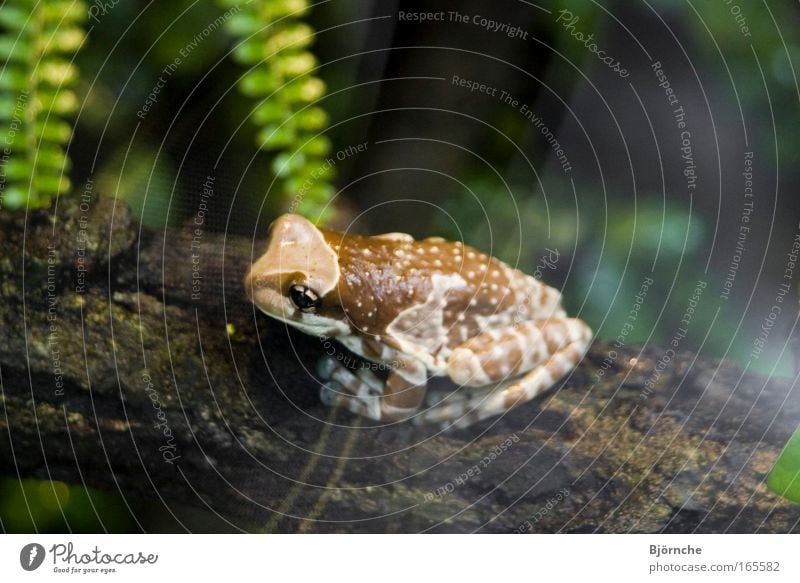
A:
(304, 298)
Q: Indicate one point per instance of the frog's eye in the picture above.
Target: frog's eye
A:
(305, 298)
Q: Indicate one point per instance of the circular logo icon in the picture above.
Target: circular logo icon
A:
(31, 556)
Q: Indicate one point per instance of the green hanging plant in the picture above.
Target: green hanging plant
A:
(37, 41)
(274, 43)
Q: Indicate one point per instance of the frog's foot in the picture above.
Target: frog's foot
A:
(329, 393)
(361, 382)
(359, 392)
(332, 394)
(365, 394)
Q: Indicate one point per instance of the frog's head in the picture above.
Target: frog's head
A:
(295, 279)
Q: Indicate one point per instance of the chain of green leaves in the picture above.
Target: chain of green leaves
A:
(274, 43)
(37, 43)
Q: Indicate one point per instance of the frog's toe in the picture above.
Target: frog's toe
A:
(329, 393)
(325, 367)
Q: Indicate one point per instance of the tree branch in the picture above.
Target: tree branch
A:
(119, 370)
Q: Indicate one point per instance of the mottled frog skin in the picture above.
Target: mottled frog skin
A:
(422, 308)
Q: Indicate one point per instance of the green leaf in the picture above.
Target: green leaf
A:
(320, 192)
(243, 25)
(14, 18)
(295, 64)
(65, 11)
(309, 89)
(273, 137)
(271, 111)
(14, 49)
(57, 72)
(231, 3)
(54, 130)
(279, 8)
(18, 169)
(296, 36)
(311, 119)
(13, 80)
(15, 141)
(14, 197)
(61, 40)
(250, 51)
(60, 102)
(287, 163)
(52, 157)
(784, 479)
(318, 146)
(51, 184)
(259, 82)
(11, 107)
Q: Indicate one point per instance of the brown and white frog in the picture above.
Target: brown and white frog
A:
(427, 308)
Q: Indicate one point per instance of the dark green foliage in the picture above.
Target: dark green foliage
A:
(53, 506)
(37, 43)
(784, 479)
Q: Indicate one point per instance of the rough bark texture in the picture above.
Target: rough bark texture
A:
(116, 376)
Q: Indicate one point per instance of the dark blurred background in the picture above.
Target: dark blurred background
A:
(441, 159)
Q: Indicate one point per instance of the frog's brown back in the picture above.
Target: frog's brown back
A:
(435, 290)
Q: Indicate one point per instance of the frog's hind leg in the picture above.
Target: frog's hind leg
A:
(365, 394)
(542, 351)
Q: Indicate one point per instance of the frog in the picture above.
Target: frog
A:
(421, 309)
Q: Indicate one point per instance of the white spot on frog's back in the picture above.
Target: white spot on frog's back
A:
(402, 237)
(420, 329)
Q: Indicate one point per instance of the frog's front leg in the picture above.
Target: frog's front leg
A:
(514, 364)
(365, 394)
